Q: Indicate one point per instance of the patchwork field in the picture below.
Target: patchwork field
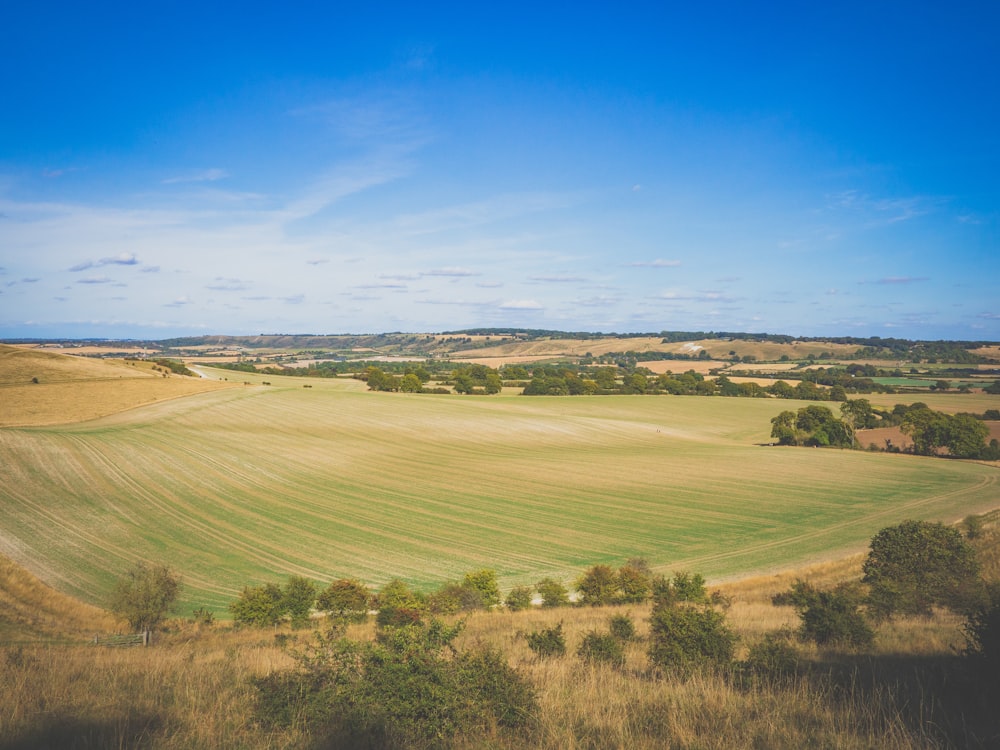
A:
(250, 484)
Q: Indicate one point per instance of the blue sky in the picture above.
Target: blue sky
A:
(188, 169)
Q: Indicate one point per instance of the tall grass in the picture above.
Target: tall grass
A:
(194, 687)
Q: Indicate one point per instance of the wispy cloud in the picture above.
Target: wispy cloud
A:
(452, 271)
(658, 263)
(204, 175)
(558, 279)
(882, 211)
(902, 280)
(95, 280)
(122, 259)
(522, 304)
(182, 301)
(220, 284)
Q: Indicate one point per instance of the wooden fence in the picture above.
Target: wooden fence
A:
(128, 639)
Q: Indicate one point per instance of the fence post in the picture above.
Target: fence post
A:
(145, 637)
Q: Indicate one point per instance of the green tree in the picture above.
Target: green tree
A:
(519, 598)
(927, 428)
(553, 593)
(916, 565)
(783, 428)
(297, 599)
(858, 413)
(259, 606)
(398, 605)
(485, 583)
(966, 436)
(598, 586)
(634, 582)
(144, 595)
(346, 599)
(411, 384)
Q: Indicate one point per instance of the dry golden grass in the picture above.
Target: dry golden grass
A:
(76, 389)
(31, 611)
(193, 687)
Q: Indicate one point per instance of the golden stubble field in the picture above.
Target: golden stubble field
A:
(73, 388)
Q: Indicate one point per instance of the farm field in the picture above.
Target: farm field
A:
(250, 484)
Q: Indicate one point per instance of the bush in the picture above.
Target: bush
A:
(622, 627)
(553, 593)
(453, 598)
(398, 606)
(519, 598)
(634, 582)
(602, 648)
(258, 606)
(410, 688)
(547, 642)
(598, 586)
(345, 599)
(982, 633)
(829, 618)
(297, 599)
(203, 616)
(774, 654)
(484, 582)
(684, 587)
(917, 565)
(144, 595)
(687, 636)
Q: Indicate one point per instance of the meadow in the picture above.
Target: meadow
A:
(248, 484)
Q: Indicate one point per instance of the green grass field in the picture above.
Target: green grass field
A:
(251, 484)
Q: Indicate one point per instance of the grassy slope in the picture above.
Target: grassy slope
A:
(252, 484)
(71, 389)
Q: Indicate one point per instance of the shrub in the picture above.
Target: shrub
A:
(345, 599)
(519, 598)
(398, 606)
(829, 618)
(602, 648)
(622, 627)
(982, 633)
(258, 606)
(547, 642)
(203, 616)
(485, 583)
(144, 595)
(297, 599)
(453, 598)
(598, 586)
(916, 565)
(774, 654)
(689, 587)
(686, 636)
(634, 582)
(684, 587)
(553, 593)
(410, 688)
